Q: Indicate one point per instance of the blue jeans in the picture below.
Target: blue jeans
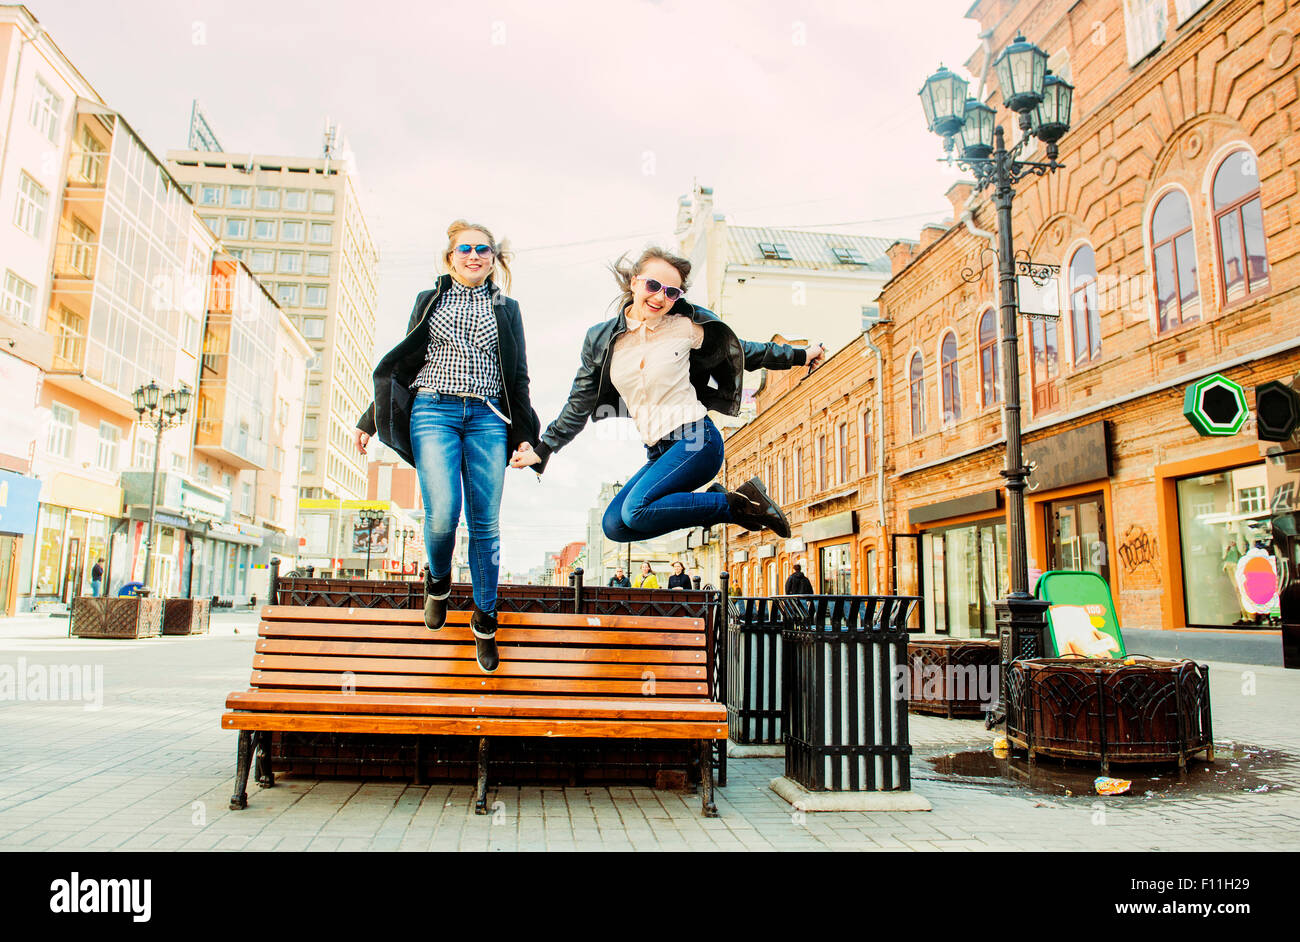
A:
(658, 499)
(94, 587)
(460, 445)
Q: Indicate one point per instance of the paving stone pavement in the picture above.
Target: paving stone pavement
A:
(152, 769)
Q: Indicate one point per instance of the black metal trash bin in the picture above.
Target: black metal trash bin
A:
(754, 669)
(845, 692)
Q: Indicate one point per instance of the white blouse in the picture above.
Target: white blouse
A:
(651, 369)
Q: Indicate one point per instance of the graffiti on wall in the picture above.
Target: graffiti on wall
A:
(1137, 549)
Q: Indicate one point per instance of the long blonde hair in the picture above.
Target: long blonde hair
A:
(501, 253)
(625, 272)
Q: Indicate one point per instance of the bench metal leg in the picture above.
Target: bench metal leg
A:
(709, 809)
(419, 761)
(722, 762)
(264, 774)
(480, 790)
(243, 756)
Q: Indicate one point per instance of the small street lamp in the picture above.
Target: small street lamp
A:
(405, 534)
(369, 517)
(175, 404)
(1042, 102)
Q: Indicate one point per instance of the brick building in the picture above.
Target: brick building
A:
(814, 445)
(1171, 226)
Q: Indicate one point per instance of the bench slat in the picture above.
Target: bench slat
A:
(290, 701)
(479, 682)
(465, 665)
(528, 652)
(408, 616)
(417, 632)
(473, 726)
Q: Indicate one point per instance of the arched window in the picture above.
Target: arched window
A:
(1239, 225)
(1083, 305)
(1177, 296)
(916, 379)
(1044, 364)
(948, 379)
(988, 343)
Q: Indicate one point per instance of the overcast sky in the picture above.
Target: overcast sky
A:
(569, 128)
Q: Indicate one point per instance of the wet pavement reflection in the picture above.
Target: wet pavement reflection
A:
(1237, 768)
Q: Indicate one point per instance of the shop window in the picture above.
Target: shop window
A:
(988, 342)
(1224, 518)
(1084, 313)
(1076, 535)
(1174, 254)
(1239, 228)
(49, 552)
(966, 573)
(836, 570)
(949, 384)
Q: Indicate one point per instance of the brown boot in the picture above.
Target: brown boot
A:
(484, 628)
(752, 509)
(435, 601)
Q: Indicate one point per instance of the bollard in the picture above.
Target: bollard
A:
(274, 591)
(575, 580)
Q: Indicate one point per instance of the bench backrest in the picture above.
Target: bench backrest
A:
(390, 651)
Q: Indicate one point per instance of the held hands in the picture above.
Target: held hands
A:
(361, 439)
(816, 356)
(524, 456)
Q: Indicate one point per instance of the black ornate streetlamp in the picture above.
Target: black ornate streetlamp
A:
(370, 516)
(1042, 101)
(405, 534)
(168, 413)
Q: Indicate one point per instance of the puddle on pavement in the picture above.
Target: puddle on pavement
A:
(1236, 769)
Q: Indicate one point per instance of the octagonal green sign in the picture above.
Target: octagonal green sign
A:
(1216, 406)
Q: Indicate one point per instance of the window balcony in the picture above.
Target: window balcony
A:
(75, 258)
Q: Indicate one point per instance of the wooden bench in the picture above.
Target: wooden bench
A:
(347, 670)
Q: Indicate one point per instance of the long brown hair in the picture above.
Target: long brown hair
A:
(501, 253)
(624, 271)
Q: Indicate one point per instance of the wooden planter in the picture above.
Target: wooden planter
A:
(186, 616)
(1150, 711)
(116, 617)
(956, 669)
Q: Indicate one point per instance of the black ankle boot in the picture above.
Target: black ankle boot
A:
(484, 628)
(752, 509)
(435, 600)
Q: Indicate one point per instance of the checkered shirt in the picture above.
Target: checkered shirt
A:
(462, 355)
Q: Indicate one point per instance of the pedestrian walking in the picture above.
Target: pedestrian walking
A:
(647, 579)
(97, 578)
(797, 583)
(452, 399)
(665, 362)
(679, 579)
(620, 580)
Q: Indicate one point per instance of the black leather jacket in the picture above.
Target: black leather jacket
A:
(390, 413)
(717, 370)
